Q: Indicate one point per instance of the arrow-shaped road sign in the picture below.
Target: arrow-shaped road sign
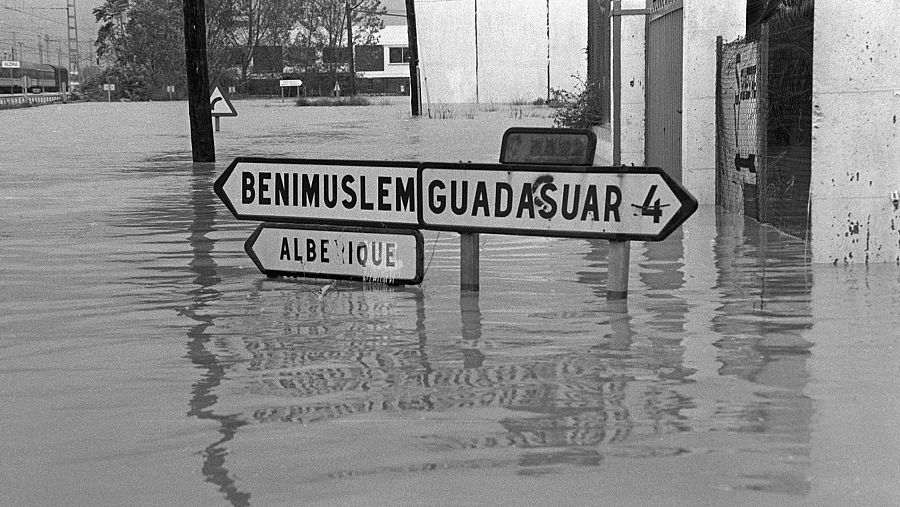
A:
(615, 203)
(220, 104)
(392, 256)
(343, 192)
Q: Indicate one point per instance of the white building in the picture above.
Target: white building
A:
(500, 50)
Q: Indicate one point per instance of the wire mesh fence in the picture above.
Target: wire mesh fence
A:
(764, 121)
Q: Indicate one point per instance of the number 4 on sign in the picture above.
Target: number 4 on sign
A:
(651, 208)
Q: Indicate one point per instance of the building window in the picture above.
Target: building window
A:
(398, 55)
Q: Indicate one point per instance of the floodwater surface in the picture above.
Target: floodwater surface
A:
(144, 360)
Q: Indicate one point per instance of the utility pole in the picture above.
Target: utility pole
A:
(413, 57)
(349, 13)
(202, 144)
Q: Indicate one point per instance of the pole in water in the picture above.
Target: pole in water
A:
(414, 94)
(202, 142)
(469, 253)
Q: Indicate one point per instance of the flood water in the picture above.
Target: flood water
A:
(144, 360)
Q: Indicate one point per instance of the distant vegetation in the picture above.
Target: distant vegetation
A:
(140, 43)
(333, 101)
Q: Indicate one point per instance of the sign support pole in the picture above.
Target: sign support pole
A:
(469, 254)
(619, 251)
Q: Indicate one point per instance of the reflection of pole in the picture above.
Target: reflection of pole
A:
(470, 314)
(413, 58)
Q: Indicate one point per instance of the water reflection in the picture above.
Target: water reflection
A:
(764, 313)
(205, 294)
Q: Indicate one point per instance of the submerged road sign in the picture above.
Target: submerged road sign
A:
(350, 192)
(615, 203)
(392, 256)
(220, 104)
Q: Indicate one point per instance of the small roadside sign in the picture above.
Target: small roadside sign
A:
(391, 256)
(10, 64)
(109, 87)
(344, 192)
(615, 203)
(285, 83)
(220, 104)
(548, 146)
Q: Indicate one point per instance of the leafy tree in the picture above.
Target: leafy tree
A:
(138, 39)
(323, 25)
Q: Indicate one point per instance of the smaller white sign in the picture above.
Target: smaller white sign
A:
(109, 87)
(290, 82)
(392, 256)
(170, 89)
(11, 64)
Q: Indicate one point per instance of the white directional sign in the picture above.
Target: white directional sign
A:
(393, 256)
(284, 83)
(220, 104)
(10, 64)
(352, 192)
(616, 203)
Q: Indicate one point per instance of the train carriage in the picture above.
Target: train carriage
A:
(38, 78)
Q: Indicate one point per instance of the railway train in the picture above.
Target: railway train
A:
(38, 78)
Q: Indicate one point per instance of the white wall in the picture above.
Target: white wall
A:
(512, 48)
(568, 43)
(633, 85)
(855, 147)
(446, 36)
(703, 21)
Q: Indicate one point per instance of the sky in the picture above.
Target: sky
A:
(27, 20)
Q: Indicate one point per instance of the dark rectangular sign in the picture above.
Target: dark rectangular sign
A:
(548, 146)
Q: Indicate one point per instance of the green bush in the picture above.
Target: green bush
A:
(333, 101)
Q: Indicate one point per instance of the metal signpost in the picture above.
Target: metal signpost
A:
(346, 192)
(391, 256)
(285, 83)
(220, 106)
(109, 87)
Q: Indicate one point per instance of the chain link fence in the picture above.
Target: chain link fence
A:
(764, 120)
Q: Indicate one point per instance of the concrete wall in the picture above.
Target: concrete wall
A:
(512, 50)
(568, 43)
(633, 84)
(703, 21)
(512, 47)
(446, 35)
(856, 135)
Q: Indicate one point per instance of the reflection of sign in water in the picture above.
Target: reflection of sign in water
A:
(546, 146)
(635, 203)
(350, 192)
(392, 256)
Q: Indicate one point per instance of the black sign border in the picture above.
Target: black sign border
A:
(420, 252)
(219, 187)
(591, 149)
(688, 202)
(233, 112)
